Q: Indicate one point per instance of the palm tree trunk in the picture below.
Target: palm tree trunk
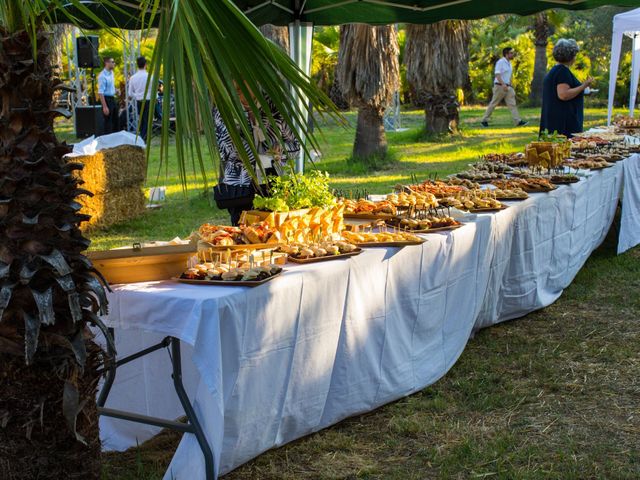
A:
(441, 114)
(539, 71)
(371, 140)
(35, 440)
(48, 419)
(278, 35)
(541, 30)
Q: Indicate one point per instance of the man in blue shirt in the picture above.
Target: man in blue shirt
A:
(107, 92)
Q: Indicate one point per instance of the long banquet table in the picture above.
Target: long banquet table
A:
(330, 340)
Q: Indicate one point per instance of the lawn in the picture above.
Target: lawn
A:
(555, 394)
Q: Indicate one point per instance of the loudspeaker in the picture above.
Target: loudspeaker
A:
(89, 121)
(87, 48)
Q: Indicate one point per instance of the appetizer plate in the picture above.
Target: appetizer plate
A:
(603, 167)
(438, 229)
(488, 210)
(511, 199)
(226, 283)
(390, 244)
(326, 258)
(369, 216)
(242, 246)
(565, 182)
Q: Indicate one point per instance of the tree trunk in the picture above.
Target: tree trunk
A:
(278, 35)
(541, 31)
(539, 72)
(371, 140)
(441, 113)
(48, 419)
(35, 441)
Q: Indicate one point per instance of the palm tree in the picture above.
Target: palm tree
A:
(278, 35)
(369, 75)
(543, 25)
(49, 291)
(437, 60)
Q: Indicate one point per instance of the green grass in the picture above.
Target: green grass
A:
(554, 395)
(183, 212)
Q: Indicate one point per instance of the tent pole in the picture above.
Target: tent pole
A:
(616, 44)
(635, 73)
(300, 38)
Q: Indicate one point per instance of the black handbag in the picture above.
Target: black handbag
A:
(233, 196)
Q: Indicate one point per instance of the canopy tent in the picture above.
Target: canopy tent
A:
(301, 15)
(627, 23)
(374, 12)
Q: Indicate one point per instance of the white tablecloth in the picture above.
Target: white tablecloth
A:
(331, 340)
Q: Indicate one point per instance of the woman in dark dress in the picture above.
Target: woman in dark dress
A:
(563, 94)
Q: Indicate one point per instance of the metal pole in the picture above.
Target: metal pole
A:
(300, 38)
(188, 409)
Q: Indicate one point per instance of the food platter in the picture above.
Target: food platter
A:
(227, 283)
(602, 167)
(565, 182)
(511, 199)
(488, 210)
(325, 258)
(437, 229)
(391, 244)
(368, 216)
(240, 246)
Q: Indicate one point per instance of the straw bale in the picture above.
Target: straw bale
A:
(115, 206)
(113, 168)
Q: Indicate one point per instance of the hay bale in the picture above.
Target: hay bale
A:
(113, 168)
(115, 206)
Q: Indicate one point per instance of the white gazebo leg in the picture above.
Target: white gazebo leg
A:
(635, 73)
(616, 44)
(300, 38)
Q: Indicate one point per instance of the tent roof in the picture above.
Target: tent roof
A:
(627, 22)
(375, 12)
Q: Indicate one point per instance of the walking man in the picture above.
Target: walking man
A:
(107, 92)
(503, 90)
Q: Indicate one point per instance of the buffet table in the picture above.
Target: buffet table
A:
(326, 341)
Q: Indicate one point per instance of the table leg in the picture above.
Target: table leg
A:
(191, 426)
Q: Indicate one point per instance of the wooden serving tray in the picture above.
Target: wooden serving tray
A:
(564, 182)
(544, 190)
(436, 230)
(601, 168)
(390, 244)
(510, 199)
(326, 258)
(488, 210)
(241, 246)
(226, 283)
(369, 216)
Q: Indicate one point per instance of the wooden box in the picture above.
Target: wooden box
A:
(142, 263)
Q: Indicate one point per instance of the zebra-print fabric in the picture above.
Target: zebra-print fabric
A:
(233, 169)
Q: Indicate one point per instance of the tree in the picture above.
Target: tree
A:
(543, 25)
(49, 291)
(368, 73)
(437, 60)
(278, 35)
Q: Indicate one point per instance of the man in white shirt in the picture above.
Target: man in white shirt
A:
(502, 89)
(136, 91)
(106, 93)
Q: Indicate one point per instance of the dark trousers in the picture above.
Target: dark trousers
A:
(143, 117)
(111, 120)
